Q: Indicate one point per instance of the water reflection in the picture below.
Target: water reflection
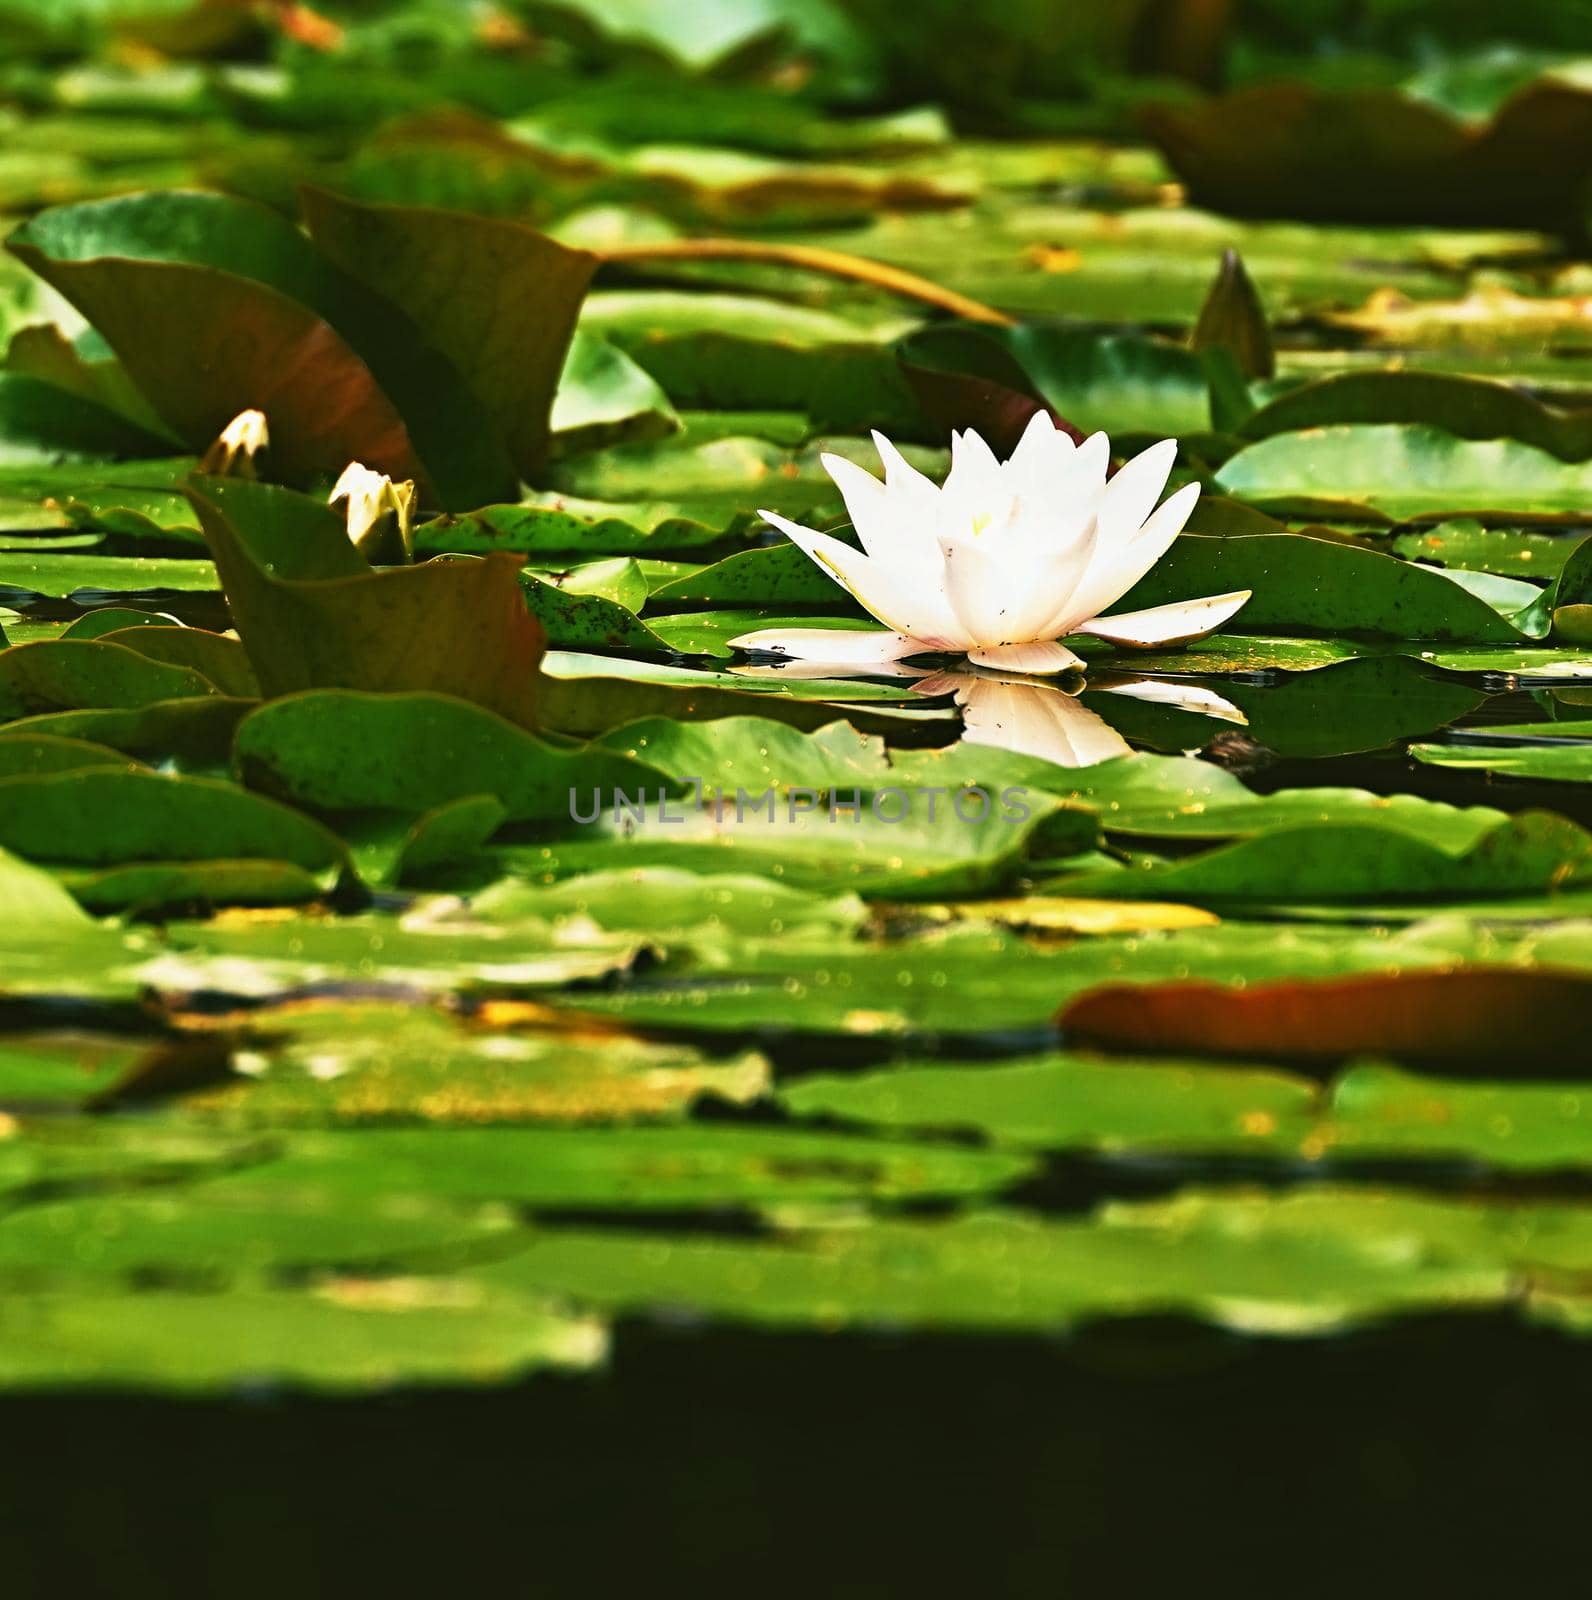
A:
(1039, 717)
(1028, 717)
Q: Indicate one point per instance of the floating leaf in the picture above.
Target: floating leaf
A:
(1071, 1101)
(1469, 408)
(370, 1064)
(901, 844)
(1126, 383)
(632, 1168)
(24, 753)
(338, 1339)
(605, 398)
(69, 674)
(193, 733)
(1407, 471)
(1527, 1018)
(1323, 586)
(1347, 861)
(1373, 155)
(221, 660)
(103, 816)
(44, 424)
(580, 621)
(1004, 1271)
(337, 750)
(213, 1235)
(1138, 1106)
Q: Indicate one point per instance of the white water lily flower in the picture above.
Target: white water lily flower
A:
(1002, 560)
(236, 449)
(380, 513)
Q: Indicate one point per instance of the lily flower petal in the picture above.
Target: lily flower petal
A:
(1131, 495)
(980, 590)
(909, 599)
(836, 647)
(1185, 696)
(889, 527)
(900, 476)
(1042, 656)
(1180, 623)
(1040, 455)
(1112, 572)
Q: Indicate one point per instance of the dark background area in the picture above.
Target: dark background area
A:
(1424, 1459)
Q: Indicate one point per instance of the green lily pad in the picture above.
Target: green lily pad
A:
(605, 398)
(558, 525)
(906, 844)
(1469, 408)
(970, 981)
(1322, 586)
(576, 621)
(1407, 471)
(362, 1065)
(224, 1232)
(631, 1168)
(1070, 1101)
(101, 816)
(1566, 762)
(92, 579)
(1527, 854)
(337, 750)
(779, 576)
(25, 753)
(40, 423)
(1006, 1271)
(73, 674)
(331, 1339)
(193, 733)
(709, 912)
(221, 660)
(152, 888)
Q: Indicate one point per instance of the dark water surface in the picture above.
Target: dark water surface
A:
(1426, 1459)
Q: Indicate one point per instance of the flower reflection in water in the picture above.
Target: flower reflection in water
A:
(1028, 716)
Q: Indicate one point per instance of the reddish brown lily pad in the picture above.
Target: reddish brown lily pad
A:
(1506, 1018)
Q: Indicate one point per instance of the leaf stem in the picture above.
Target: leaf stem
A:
(836, 263)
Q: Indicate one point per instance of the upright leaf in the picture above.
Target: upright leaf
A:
(217, 306)
(1233, 319)
(312, 615)
(497, 298)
